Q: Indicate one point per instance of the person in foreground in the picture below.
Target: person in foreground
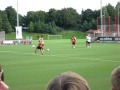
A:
(3, 86)
(115, 79)
(68, 81)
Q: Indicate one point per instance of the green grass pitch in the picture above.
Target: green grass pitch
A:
(26, 71)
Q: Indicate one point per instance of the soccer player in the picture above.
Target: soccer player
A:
(73, 40)
(88, 41)
(40, 45)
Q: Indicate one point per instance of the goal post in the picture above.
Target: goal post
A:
(54, 37)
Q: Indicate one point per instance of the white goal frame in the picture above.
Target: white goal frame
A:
(55, 37)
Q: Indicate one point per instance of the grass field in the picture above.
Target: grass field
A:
(26, 71)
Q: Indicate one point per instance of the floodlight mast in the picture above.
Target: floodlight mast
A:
(17, 15)
(118, 21)
(101, 18)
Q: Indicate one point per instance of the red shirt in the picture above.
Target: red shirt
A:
(73, 39)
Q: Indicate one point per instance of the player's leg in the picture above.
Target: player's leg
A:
(73, 45)
(43, 47)
(41, 50)
(86, 43)
(36, 49)
(89, 44)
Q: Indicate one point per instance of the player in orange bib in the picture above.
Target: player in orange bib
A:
(73, 40)
(40, 45)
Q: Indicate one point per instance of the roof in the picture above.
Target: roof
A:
(93, 31)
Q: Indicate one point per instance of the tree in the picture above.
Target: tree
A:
(85, 26)
(31, 27)
(87, 15)
(0, 20)
(52, 15)
(29, 18)
(111, 10)
(118, 8)
(5, 23)
(105, 12)
(67, 18)
(40, 15)
(12, 16)
(93, 24)
(37, 27)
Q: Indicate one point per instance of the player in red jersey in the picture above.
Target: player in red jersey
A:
(40, 45)
(73, 40)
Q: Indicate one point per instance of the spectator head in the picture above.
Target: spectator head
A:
(115, 79)
(68, 81)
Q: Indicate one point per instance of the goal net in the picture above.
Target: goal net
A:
(54, 37)
(110, 26)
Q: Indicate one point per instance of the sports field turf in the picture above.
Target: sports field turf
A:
(26, 71)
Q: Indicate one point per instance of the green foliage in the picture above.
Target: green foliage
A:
(37, 27)
(67, 18)
(31, 27)
(87, 15)
(111, 10)
(0, 21)
(65, 35)
(11, 15)
(5, 23)
(12, 36)
(93, 24)
(68, 34)
(55, 21)
(85, 26)
(52, 15)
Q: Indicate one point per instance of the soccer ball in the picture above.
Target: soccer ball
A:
(73, 47)
(48, 49)
(33, 46)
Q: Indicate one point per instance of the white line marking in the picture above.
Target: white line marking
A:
(95, 59)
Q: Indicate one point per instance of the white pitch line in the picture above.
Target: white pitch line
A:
(15, 52)
(63, 56)
(85, 58)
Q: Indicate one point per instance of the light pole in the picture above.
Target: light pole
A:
(101, 18)
(118, 21)
(17, 15)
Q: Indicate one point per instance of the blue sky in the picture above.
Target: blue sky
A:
(34, 5)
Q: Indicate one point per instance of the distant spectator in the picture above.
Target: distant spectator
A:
(30, 40)
(115, 79)
(68, 81)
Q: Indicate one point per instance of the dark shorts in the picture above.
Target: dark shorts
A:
(38, 47)
(87, 42)
(73, 43)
